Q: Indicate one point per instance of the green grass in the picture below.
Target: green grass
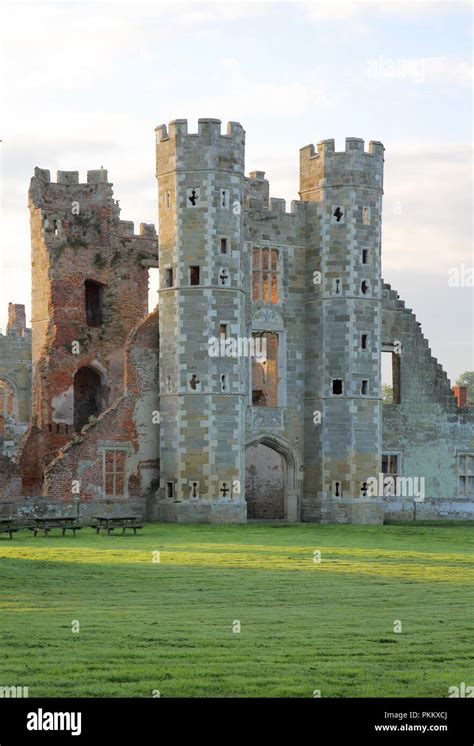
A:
(305, 626)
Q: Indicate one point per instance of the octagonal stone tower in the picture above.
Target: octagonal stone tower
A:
(201, 298)
(343, 330)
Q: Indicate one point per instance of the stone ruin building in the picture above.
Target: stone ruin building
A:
(172, 413)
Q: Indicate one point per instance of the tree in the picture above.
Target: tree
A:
(387, 394)
(467, 379)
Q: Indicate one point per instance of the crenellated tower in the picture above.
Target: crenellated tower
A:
(343, 329)
(201, 300)
(89, 289)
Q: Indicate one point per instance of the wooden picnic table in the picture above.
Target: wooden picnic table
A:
(109, 523)
(6, 526)
(47, 522)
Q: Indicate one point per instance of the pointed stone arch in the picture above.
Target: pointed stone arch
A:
(292, 471)
(89, 394)
(9, 406)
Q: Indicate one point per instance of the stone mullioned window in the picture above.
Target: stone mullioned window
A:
(265, 275)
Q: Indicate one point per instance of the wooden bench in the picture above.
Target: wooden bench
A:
(47, 524)
(7, 528)
(110, 523)
(123, 526)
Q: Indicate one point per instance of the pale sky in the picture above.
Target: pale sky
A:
(84, 85)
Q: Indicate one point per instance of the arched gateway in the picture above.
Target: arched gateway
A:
(273, 479)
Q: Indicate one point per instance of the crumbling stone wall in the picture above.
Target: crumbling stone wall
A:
(426, 428)
(15, 378)
(76, 476)
(10, 487)
(77, 236)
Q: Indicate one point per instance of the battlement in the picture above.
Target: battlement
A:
(352, 166)
(209, 131)
(177, 149)
(353, 145)
(126, 229)
(82, 212)
(98, 176)
(257, 194)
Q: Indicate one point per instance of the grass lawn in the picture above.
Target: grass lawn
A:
(305, 626)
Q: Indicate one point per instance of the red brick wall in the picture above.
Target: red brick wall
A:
(128, 421)
(67, 249)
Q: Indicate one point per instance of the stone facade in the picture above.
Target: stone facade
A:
(255, 388)
(15, 380)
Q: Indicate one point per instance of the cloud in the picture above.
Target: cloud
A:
(426, 206)
(452, 70)
(337, 11)
(245, 95)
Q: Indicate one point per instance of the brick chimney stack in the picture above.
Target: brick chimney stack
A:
(460, 392)
(16, 319)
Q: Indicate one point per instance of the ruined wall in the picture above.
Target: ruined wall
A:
(426, 428)
(77, 236)
(15, 380)
(130, 423)
(10, 487)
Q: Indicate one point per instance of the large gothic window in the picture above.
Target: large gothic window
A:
(265, 275)
(265, 372)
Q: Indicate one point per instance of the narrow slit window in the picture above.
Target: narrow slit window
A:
(192, 197)
(225, 198)
(366, 215)
(223, 245)
(364, 287)
(93, 300)
(168, 277)
(364, 388)
(363, 341)
(224, 277)
(365, 256)
(194, 275)
(169, 489)
(223, 331)
(337, 386)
